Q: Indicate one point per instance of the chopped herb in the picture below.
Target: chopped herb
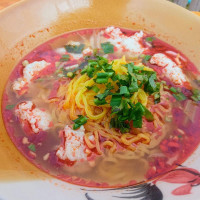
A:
(123, 126)
(10, 107)
(150, 39)
(180, 136)
(107, 47)
(172, 89)
(77, 49)
(89, 87)
(180, 96)
(103, 95)
(32, 147)
(148, 115)
(115, 77)
(64, 58)
(109, 86)
(196, 95)
(94, 88)
(102, 78)
(136, 115)
(151, 86)
(146, 57)
(195, 98)
(81, 120)
(110, 73)
(124, 91)
(116, 100)
(157, 97)
(133, 86)
(90, 71)
(99, 102)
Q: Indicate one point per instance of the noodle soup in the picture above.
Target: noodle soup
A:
(104, 107)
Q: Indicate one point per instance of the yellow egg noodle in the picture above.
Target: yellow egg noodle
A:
(78, 100)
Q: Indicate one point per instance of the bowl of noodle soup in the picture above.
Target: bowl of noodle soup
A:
(96, 101)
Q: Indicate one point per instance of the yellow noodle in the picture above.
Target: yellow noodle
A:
(96, 136)
(112, 146)
(88, 142)
(75, 98)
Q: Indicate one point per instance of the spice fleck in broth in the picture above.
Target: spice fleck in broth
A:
(104, 107)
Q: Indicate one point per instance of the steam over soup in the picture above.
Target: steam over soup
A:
(104, 107)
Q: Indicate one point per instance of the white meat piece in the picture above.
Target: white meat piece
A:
(60, 50)
(76, 56)
(170, 68)
(38, 119)
(91, 138)
(74, 148)
(19, 84)
(123, 42)
(29, 72)
(87, 51)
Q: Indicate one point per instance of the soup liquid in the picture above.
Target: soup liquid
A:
(122, 168)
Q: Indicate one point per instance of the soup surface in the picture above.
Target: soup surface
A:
(104, 107)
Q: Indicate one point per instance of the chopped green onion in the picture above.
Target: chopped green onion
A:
(64, 58)
(10, 107)
(123, 126)
(180, 96)
(146, 57)
(95, 88)
(102, 78)
(32, 147)
(81, 120)
(116, 100)
(109, 86)
(89, 87)
(124, 90)
(74, 48)
(137, 68)
(150, 39)
(196, 95)
(103, 95)
(99, 102)
(195, 98)
(107, 47)
(148, 115)
(157, 97)
(133, 86)
(172, 89)
(195, 91)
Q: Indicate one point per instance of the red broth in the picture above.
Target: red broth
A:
(171, 143)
